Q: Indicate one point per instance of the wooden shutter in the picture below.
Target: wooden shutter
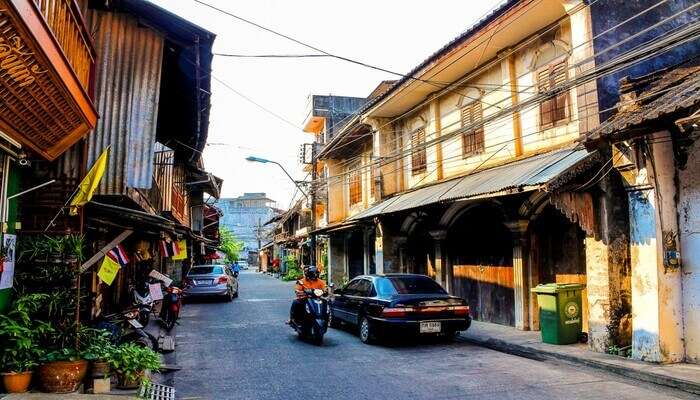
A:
(355, 185)
(418, 151)
(558, 78)
(546, 106)
(473, 139)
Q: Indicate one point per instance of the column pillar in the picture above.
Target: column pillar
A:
(521, 289)
(656, 280)
(439, 240)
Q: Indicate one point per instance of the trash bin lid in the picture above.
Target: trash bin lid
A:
(557, 287)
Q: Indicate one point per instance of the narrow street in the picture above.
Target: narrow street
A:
(243, 350)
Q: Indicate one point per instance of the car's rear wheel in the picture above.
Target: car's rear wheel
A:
(366, 331)
(229, 296)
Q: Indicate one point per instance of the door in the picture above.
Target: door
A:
(356, 302)
(341, 307)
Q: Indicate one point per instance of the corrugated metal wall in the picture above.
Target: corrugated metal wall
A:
(127, 86)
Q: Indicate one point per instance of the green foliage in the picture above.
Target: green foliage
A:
(54, 248)
(19, 334)
(130, 360)
(230, 244)
(98, 345)
(294, 271)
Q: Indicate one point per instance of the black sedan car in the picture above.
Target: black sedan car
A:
(393, 304)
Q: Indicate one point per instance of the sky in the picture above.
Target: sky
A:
(395, 35)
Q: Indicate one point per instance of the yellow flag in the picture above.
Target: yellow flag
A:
(182, 250)
(89, 184)
(108, 270)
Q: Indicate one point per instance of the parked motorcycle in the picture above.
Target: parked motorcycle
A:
(312, 323)
(170, 308)
(143, 300)
(125, 328)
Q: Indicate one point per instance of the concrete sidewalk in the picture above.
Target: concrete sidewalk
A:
(529, 344)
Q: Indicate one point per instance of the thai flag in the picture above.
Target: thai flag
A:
(118, 254)
(168, 248)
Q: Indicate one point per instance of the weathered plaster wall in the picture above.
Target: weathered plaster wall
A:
(610, 13)
(689, 227)
(336, 204)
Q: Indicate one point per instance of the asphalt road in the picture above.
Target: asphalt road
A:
(243, 350)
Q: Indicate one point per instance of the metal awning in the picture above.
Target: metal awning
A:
(520, 176)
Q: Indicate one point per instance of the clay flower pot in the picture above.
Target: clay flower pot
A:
(16, 382)
(61, 376)
(99, 369)
(125, 383)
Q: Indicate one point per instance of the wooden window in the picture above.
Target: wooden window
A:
(355, 184)
(473, 138)
(555, 109)
(418, 152)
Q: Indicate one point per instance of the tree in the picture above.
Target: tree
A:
(230, 244)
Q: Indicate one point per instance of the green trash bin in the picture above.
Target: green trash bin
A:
(560, 312)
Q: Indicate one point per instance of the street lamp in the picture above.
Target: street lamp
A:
(265, 161)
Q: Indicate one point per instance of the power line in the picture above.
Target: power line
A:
(602, 70)
(271, 55)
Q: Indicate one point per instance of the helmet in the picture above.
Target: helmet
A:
(311, 272)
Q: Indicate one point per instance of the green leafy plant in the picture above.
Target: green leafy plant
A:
(75, 246)
(98, 345)
(130, 360)
(19, 333)
(294, 271)
(230, 244)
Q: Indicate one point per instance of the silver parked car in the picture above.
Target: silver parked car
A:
(211, 280)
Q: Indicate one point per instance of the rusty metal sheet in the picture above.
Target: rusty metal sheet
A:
(127, 90)
(523, 175)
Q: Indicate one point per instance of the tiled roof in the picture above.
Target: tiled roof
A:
(649, 98)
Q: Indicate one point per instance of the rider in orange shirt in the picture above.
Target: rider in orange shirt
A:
(309, 281)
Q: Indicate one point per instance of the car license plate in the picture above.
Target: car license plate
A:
(203, 282)
(430, 327)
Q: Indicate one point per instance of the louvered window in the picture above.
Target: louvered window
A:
(555, 109)
(355, 184)
(372, 176)
(473, 137)
(418, 152)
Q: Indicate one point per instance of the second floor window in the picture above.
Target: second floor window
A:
(355, 185)
(473, 138)
(554, 110)
(418, 152)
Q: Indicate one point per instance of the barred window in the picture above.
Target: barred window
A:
(473, 138)
(355, 184)
(554, 109)
(418, 152)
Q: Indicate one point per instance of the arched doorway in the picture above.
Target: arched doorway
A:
(419, 249)
(480, 251)
(558, 252)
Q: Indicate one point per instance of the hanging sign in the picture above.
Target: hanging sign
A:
(161, 277)
(108, 270)
(181, 250)
(156, 292)
(8, 266)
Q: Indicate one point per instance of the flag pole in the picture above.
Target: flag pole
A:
(62, 210)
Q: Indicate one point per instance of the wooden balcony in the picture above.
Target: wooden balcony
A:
(46, 59)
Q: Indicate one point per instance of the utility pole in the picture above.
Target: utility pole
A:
(312, 188)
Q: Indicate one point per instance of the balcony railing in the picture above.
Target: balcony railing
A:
(68, 27)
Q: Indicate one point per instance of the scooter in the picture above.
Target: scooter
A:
(170, 308)
(312, 324)
(125, 328)
(144, 301)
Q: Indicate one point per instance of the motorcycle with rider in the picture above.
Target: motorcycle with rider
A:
(309, 312)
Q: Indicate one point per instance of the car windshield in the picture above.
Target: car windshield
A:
(206, 270)
(408, 285)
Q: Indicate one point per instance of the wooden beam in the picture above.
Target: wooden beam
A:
(103, 251)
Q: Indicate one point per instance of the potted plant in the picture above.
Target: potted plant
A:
(63, 366)
(98, 351)
(19, 350)
(130, 362)
(74, 245)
